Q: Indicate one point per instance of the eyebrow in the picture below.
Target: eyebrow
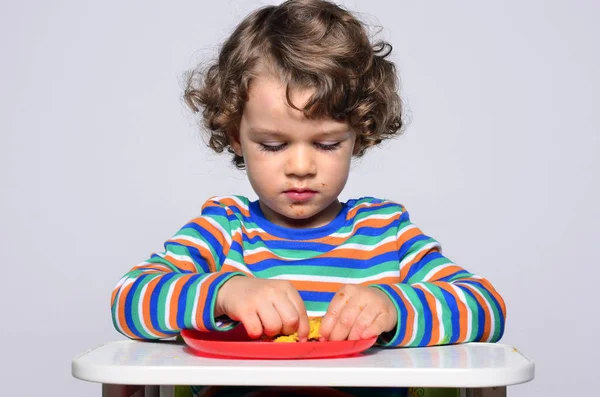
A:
(275, 133)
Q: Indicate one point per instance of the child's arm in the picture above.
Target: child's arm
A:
(437, 301)
(177, 288)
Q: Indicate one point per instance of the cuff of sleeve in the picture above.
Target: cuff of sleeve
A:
(388, 339)
(223, 323)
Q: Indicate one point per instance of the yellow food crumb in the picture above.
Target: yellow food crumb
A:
(313, 334)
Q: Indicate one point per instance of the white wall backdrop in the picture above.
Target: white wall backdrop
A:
(101, 162)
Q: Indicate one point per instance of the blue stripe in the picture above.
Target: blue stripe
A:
(427, 316)
(209, 239)
(128, 307)
(480, 316)
(455, 274)
(454, 317)
(408, 245)
(402, 316)
(182, 302)
(420, 265)
(316, 296)
(369, 231)
(154, 302)
(194, 255)
(206, 313)
(494, 301)
(346, 263)
(289, 245)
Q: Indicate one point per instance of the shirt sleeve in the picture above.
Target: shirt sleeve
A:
(177, 288)
(437, 301)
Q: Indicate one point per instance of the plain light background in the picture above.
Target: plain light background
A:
(101, 163)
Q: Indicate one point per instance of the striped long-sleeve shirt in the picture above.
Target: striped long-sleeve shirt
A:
(370, 242)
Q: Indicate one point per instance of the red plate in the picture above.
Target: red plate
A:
(237, 344)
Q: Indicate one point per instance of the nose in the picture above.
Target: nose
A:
(301, 162)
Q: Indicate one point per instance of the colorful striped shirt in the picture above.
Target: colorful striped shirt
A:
(371, 242)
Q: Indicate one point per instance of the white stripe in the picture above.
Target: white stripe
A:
(192, 240)
(181, 258)
(436, 270)
(117, 308)
(196, 300)
(357, 247)
(239, 202)
(405, 229)
(409, 258)
(319, 313)
(415, 321)
(141, 309)
(240, 266)
(463, 298)
(489, 307)
(126, 281)
(439, 310)
(168, 306)
(223, 232)
(363, 247)
(332, 279)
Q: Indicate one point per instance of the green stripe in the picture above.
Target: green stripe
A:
(285, 269)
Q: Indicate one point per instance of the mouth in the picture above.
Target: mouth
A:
(300, 194)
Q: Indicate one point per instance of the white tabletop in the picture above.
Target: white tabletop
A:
(166, 363)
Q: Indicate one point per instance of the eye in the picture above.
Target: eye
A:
(328, 146)
(271, 148)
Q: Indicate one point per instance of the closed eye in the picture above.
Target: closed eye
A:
(271, 148)
(330, 146)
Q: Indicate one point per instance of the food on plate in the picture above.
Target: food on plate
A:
(313, 334)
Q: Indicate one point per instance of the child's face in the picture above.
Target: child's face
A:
(296, 166)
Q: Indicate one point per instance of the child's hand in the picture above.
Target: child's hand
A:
(263, 306)
(358, 312)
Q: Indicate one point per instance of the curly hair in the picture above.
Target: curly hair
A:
(307, 44)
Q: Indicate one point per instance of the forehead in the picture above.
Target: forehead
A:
(267, 108)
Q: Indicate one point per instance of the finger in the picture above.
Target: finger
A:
(363, 321)
(302, 325)
(252, 324)
(377, 327)
(346, 320)
(269, 317)
(337, 304)
(288, 314)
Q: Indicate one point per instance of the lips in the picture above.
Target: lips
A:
(300, 194)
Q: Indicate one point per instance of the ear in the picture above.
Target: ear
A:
(234, 142)
(356, 147)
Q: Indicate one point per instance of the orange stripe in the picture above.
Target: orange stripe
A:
(462, 310)
(203, 298)
(121, 311)
(342, 253)
(488, 286)
(406, 267)
(407, 235)
(229, 202)
(444, 273)
(183, 265)
(204, 252)
(435, 322)
(146, 307)
(360, 254)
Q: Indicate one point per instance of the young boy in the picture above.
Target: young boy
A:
(296, 92)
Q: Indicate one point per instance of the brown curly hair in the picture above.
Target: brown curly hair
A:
(307, 44)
